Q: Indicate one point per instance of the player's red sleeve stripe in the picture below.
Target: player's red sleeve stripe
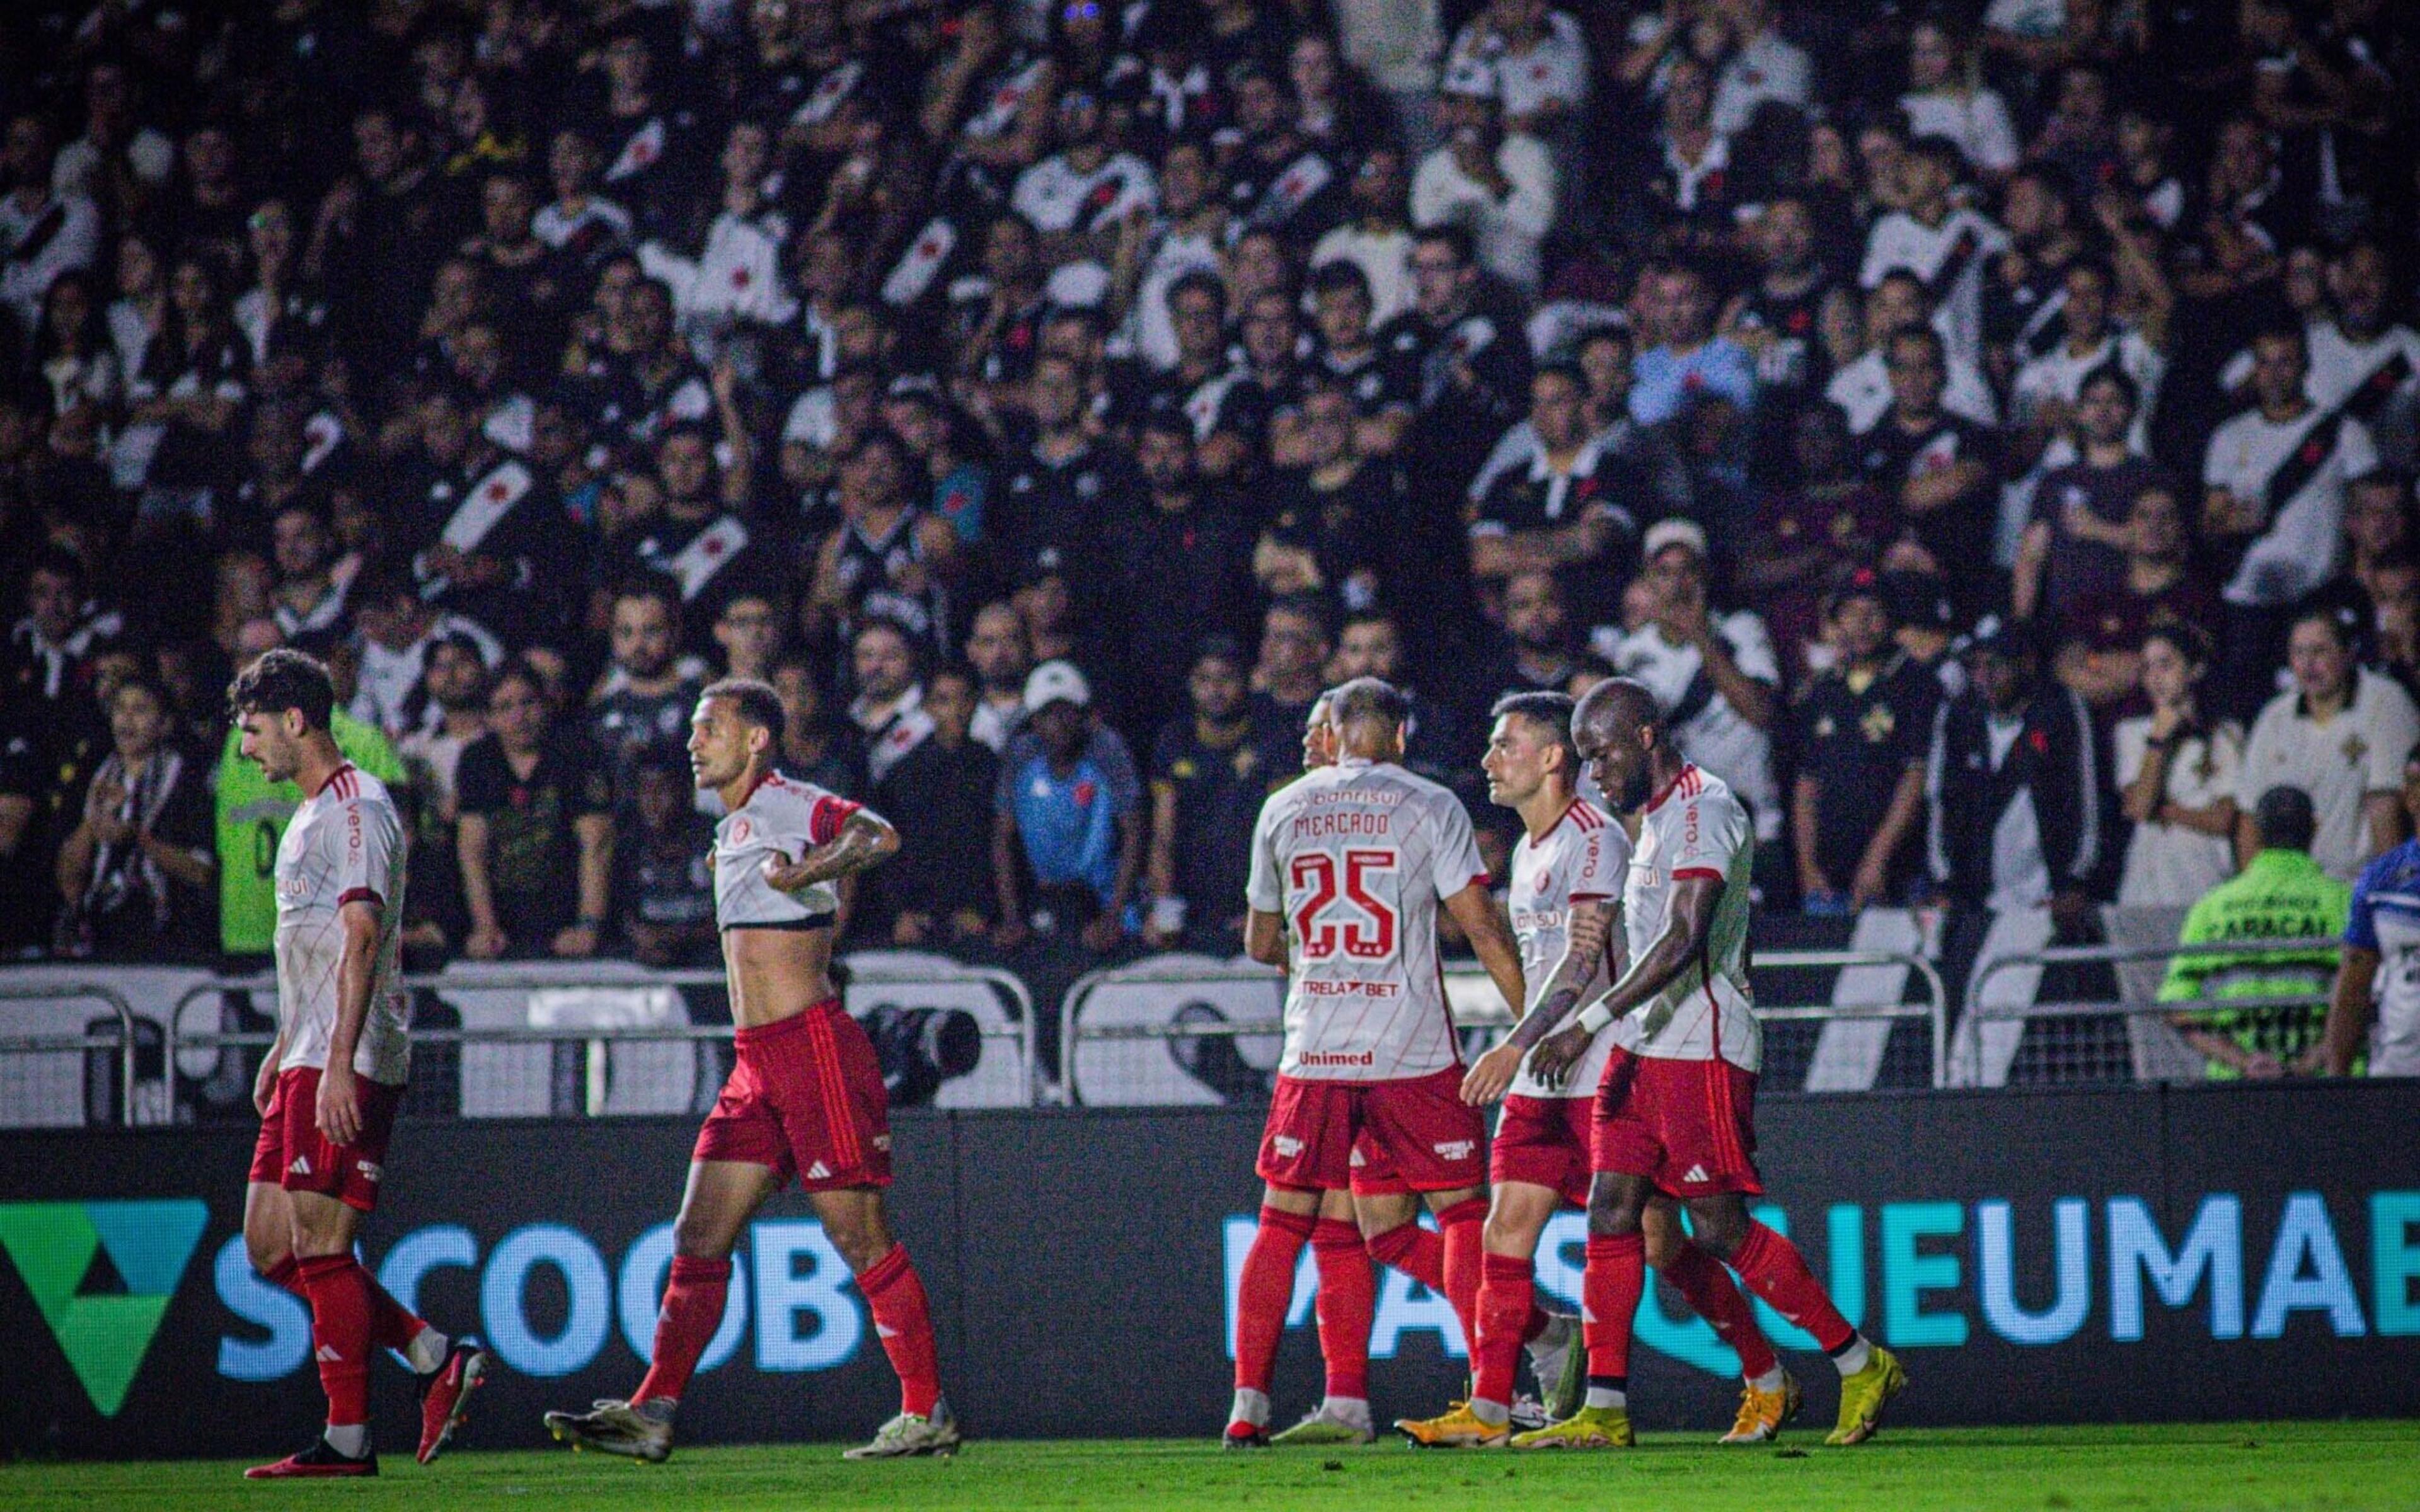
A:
(361, 895)
(1591, 897)
(831, 814)
(1482, 880)
(1706, 872)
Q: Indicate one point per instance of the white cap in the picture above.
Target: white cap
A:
(1468, 77)
(1675, 532)
(1056, 681)
(1077, 285)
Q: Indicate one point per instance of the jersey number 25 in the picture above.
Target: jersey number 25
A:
(1367, 929)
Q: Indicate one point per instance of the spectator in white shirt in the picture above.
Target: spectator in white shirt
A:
(1762, 65)
(1377, 239)
(2340, 734)
(2176, 778)
(1713, 672)
(578, 221)
(2273, 479)
(1946, 99)
(1861, 387)
(1539, 59)
(736, 273)
(1077, 194)
(42, 232)
(1947, 245)
(1503, 189)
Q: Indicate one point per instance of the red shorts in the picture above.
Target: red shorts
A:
(1420, 1134)
(1544, 1141)
(1373, 1170)
(1689, 1126)
(291, 1151)
(805, 1098)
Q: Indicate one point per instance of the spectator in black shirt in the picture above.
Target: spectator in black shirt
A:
(1939, 468)
(939, 891)
(1332, 522)
(137, 872)
(1208, 777)
(2079, 532)
(645, 699)
(1294, 646)
(1862, 728)
(817, 747)
(662, 881)
(1180, 565)
(536, 830)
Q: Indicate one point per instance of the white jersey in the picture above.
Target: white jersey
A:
(1696, 828)
(1949, 258)
(1584, 859)
(782, 818)
(344, 845)
(1356, 856)
(2297, 551)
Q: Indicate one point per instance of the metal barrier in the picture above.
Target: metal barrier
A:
(1978, 1013)
(53, 1043)
(598, 1039)
(1933, 1010)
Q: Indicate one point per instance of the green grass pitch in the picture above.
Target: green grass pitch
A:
(2269, 1465)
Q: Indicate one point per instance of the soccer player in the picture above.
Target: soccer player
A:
(805, 1098)
(1353, 859)
(329, 1086)
(1567, 873)
(1677, 1113)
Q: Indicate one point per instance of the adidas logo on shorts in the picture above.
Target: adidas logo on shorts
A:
(301, 1166)
(326, 1355)
(1696, 1173)
(1287, 1145)
(819, 1172)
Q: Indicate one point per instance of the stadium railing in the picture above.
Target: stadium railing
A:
(2056, 1034)
(1247, 986)
(601, 1014)
(20, 1054)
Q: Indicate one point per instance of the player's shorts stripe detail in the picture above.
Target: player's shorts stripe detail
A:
(835, 1094)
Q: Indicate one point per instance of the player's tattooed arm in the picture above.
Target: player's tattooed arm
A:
(1689, 923)
(865, 838)
(1585, 956)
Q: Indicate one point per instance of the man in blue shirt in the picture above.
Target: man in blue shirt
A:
(1687, 365)
(1068, 815)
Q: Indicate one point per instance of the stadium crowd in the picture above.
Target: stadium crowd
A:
(1989, 429)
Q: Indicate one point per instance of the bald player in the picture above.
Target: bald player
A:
(1676, 1114)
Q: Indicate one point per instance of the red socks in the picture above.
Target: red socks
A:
(1770, 1266)
(1416, 1252)
(1506, 1296)
(1609, 1291)
(1348, 1303)
(1702, 1279)
(896, 1294)
(391, 1326)
(691, 1311)
(1266, 1290)
(339, 1290)
(1463, 1226)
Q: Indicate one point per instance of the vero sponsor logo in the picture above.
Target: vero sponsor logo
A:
(103, 1334)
